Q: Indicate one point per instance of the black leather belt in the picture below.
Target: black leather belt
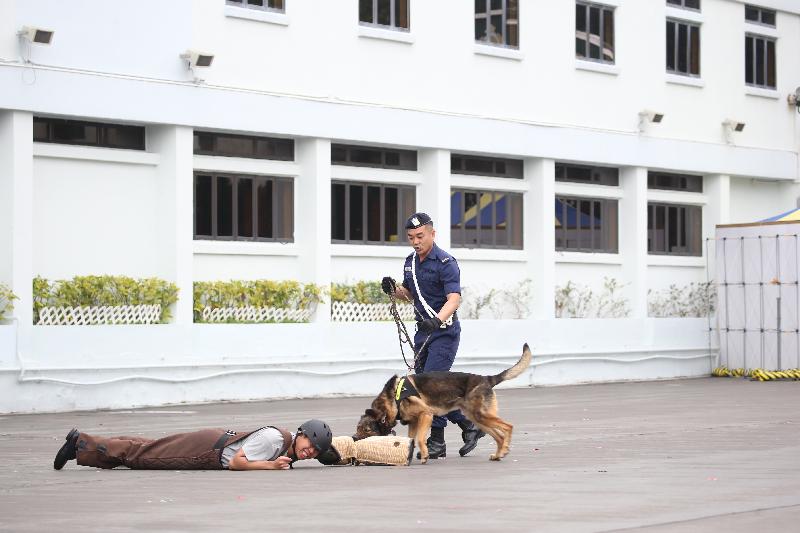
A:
(454, 317)
(223, 439)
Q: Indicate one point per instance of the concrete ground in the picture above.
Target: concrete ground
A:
(692, 455)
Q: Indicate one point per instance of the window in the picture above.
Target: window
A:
(759, 61)
(497, 22)
(363, 213)
(266, 5)
(587, 174)
(390, 13)
(485, 166)
(586, 224)
(674, 182)
(54, 130)
(594, 32)
(759, 15)
(223, 144)
(243, 208)
(689, 4)
(363, 156)
(674, 229)
(485, 219)
(683, 48)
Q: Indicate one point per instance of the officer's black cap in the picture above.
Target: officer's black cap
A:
(417, 220)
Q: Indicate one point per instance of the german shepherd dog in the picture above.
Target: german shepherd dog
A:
(438, 393)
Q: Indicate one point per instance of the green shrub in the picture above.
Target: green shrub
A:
(255, 293)
(362, 292)
(7, 298)
(103, 290)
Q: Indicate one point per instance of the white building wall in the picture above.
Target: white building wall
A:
(315, 75)
(755, 199)
(93, 217)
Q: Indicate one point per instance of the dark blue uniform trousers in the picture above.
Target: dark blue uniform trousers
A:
(439, 354)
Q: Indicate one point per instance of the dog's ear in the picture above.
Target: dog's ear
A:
(371, 413)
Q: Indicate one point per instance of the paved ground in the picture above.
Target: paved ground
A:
(693, 455)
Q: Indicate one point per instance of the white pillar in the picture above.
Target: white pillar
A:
(539, 239)
(433, 197)
(16, 217)
(175, 212)
(312, 230)
(717, 211)
(633, 237)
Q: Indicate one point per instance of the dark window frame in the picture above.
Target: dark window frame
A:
(760, 14)
(685, 4)
(267, 5)
(601, 34)
(692, 63)
(103, 129)
(406, 159)
(279, 145)
(458, 237)
(685, 214)
(501, 167)
(509, 39)
(395, 8)
(235, 179)
(679, 182)
(599, 175)
(609, 242)
(345, 210)
(769, 51)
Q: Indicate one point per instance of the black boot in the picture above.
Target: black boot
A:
(470, 434)
(67, 451)
(436, 446)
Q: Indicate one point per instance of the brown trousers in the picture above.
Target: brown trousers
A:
(184, 451)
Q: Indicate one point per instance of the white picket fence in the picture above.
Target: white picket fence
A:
(97, 315)
(355, 312)
(255, 314)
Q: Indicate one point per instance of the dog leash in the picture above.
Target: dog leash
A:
(402, 331)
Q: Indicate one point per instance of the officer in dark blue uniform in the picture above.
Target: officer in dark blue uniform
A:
(432, 281)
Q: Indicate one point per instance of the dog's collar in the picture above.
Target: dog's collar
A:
(405, 389)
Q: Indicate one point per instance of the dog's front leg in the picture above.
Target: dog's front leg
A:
(422, 427)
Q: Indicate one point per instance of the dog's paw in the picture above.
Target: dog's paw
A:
(494, 457)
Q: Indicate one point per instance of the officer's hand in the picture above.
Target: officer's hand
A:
(388, 285)
(430, 324)
(281, 463)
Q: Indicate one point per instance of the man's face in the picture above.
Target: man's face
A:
(303, 448)
(421, 239)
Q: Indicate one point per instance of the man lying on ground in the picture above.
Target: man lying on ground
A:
(267, 448)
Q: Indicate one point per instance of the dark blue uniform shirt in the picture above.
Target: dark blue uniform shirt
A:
(437, 276)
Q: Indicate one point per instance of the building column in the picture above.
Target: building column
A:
(433, 197)
(16, 218)
(539, 241)
(312, 221)
(633, 237)
(718, 210)
(175, 213)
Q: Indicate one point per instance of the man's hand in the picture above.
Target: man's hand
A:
(430, 324)
(281, 463)
(388, 285)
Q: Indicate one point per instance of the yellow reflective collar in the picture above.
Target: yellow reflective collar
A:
(399, 389)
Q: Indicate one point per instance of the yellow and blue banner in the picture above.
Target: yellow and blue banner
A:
(789, 216)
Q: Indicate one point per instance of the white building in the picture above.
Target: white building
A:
(618, 119)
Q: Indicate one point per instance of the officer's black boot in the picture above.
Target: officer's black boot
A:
(470, 434)
(436, 445)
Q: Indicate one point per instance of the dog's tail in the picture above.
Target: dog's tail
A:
(515, 370)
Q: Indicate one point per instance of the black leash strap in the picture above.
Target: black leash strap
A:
(404, 337)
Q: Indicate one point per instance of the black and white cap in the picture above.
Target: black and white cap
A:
(417, 220)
